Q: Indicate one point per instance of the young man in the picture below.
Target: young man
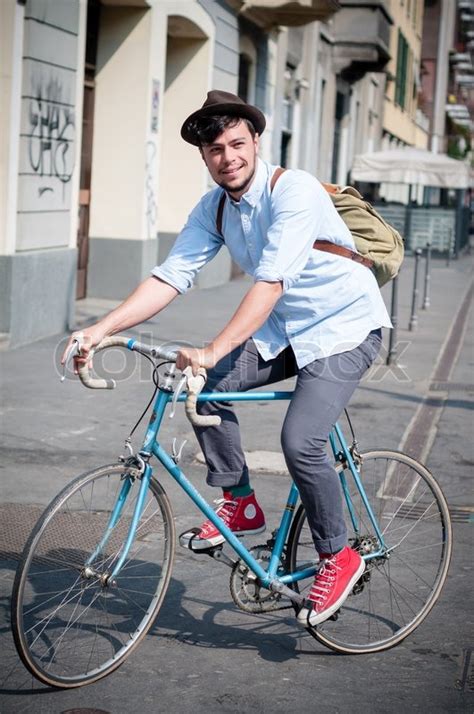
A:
(310, 313)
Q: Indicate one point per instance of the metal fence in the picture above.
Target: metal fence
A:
(445, 229)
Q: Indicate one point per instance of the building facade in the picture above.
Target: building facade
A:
(403, 122)
(448, 75)
(95, 181)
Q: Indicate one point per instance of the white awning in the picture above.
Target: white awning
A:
(410, 166)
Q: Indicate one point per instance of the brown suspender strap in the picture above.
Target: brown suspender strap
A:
(220, 213)
(278, 172)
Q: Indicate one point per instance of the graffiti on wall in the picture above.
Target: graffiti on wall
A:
(51, 124)
(155, 105)
(151, 208)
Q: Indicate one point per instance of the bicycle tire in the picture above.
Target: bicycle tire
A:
(398, 590)
(71, 628)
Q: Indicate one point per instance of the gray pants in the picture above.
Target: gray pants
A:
(323, 389)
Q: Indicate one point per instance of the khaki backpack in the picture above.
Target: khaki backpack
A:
(374, 238)
(379, 245)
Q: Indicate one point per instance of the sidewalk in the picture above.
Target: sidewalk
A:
(222, 659)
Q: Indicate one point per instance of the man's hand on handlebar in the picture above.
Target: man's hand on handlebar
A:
(195, 358)
(88, 339)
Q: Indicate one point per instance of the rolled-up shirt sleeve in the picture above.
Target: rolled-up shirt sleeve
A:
(195, 246)
(298, 205)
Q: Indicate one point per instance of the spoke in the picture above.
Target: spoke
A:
(414, 549)
(396, 587)
(68, 627)
(41, 573)
(57, 644)
(45, 602)
(412, 522)
(393, 591)
(124, 592)
(406, 534)
(111, 624)
(48, 618)
(63, 602)
(137, 592)
(412, 506)
(152, 515)
(61, 561)
(416, 573)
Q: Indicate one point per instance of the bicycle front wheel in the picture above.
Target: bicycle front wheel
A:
(72, 626)
(404, 573)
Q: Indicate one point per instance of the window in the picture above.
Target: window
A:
(247, 69)
(402, 65)
(288, 107)
(244, 77)
(338, 117)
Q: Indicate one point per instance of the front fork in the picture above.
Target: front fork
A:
(108, 578)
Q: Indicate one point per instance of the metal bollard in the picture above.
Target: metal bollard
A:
(413, 317)
(426, 295)
(392, 340)
(450, 247)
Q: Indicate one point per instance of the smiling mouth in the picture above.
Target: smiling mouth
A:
(231, 172)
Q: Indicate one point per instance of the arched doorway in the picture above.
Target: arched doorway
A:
(182, 174)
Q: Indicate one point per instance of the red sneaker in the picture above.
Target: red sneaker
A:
(333, 583)
(241, 514)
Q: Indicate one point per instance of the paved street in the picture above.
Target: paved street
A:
(203, 654)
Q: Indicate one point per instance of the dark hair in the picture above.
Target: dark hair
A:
(207, 129)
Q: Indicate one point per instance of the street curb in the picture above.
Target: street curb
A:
(421, 430)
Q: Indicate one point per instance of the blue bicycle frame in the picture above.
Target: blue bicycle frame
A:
(270, 578)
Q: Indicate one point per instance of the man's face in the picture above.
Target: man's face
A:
(231, 159)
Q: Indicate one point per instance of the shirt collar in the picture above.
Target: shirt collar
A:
(252, 196)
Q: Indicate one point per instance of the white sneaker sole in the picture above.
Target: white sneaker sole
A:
(190, 539)
(308, 617)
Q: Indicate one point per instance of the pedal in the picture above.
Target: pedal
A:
(214, 551)
(186, 541)
(334, 616)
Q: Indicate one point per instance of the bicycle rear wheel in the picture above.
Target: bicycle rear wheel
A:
(71, 627)
(401, 585)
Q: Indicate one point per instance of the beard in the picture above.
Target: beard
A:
(240, 187)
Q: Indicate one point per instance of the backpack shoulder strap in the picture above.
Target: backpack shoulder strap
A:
(220, 213)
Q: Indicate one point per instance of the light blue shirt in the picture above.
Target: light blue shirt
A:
(329, 303)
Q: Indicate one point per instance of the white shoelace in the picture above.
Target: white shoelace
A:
(225, 510)
(324, 581)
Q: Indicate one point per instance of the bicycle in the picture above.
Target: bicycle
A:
(96, 567)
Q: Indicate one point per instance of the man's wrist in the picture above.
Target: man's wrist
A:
(214, 352)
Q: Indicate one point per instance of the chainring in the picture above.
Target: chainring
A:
(245, 589)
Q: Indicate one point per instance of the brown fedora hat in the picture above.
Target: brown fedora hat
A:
(218, 103)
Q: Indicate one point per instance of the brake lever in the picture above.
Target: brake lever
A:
(187, 375)
(73, 351)
(179, 388)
